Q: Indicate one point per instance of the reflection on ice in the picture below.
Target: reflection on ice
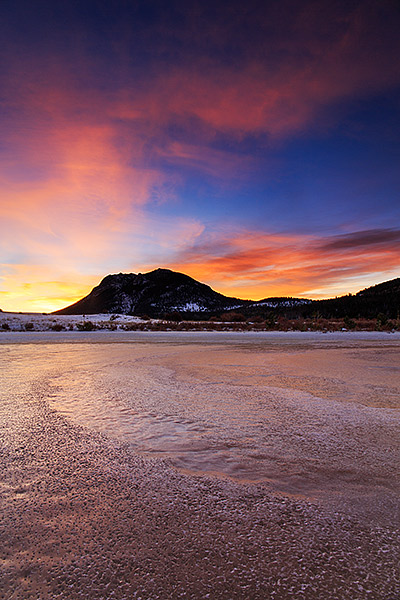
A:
(85, 517)
(310, 418)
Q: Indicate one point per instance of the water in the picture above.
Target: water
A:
(311, 416)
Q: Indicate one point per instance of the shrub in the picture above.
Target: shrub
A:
(233, 317)
(349, 323)
(173, 316)
(270, 320)
(5, 326)
(257, 319)
(130, 326)
(86, 326)
(283, 323)
(381, 320)
(28, 326)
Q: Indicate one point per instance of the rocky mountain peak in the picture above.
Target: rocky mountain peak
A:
(153, 293)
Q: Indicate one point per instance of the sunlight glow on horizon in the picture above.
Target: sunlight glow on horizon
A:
(49, 296)
(255, 154)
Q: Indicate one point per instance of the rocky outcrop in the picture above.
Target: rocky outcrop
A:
(153, 293)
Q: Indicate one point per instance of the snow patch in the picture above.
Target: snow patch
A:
(277, 303)
(190, 307)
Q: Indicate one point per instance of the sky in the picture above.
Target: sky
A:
(251, 145)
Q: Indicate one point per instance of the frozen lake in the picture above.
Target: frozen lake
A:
(314, 416)
(224, 466)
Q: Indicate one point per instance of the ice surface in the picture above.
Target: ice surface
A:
(88, 509)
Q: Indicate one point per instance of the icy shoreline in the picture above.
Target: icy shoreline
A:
(85, 518)
(43, 336)
(36, 322)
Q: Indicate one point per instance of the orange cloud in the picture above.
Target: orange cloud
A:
(84, 165)
(74, 210)
(256, 265)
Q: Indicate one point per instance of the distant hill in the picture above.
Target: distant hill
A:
(391, 288)
(163, 292)
(368, 303)
(155, 293)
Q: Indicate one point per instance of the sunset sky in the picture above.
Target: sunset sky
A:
(252, 145)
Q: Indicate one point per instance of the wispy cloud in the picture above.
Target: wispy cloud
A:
(363, 239)
(255, 264)
(97, 145)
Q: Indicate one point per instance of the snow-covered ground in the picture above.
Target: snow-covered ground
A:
(10, 321)
(39, 322)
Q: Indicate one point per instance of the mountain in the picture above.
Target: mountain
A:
(383, 298)
(162, 292)
(155, 293)
(369, 303)
(387, 288)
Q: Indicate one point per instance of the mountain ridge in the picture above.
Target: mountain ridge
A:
(158, 291)
(162, 291)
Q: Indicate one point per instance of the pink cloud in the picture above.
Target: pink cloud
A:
(255, 265)
(83, 160)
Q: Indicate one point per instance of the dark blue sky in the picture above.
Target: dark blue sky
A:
(253, 146)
